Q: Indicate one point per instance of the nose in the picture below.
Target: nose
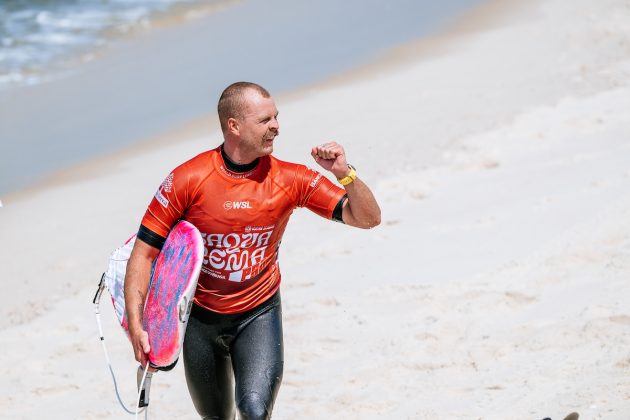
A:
(274, 124)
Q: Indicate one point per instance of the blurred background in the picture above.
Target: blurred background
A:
(82, 78)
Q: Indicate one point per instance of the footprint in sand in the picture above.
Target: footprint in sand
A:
(488, 163)
(329, 302)
(518, 297)
(418, 195)
(61, 389)
(620, 319)
(298, 285)
(623, 364)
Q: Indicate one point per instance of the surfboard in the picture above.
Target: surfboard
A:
(173, 282)
(173, 285)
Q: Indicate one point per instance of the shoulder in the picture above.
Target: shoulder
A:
(202, 162)
(286, 167)
(294, 172)
(192, 172)
(197, 167)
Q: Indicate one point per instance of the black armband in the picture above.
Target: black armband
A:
(337, 214)
(150, 237)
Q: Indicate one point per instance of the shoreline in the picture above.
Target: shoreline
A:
(395, 57)
(487, 15)
(176, 14)
(157, 81)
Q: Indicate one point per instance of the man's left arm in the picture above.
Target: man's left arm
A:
(360, 209)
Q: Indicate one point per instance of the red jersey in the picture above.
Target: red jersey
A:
(241, 217)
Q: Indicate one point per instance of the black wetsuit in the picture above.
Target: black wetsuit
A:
(235, 361)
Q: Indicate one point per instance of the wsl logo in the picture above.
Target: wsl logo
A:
(230, 205)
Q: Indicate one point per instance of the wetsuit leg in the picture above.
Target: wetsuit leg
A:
(208, 371)
(258, 361)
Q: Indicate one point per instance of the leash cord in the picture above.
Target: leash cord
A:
(109, 364)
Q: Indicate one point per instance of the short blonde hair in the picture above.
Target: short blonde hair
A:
(233, 98)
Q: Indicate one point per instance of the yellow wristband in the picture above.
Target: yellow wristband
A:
(348, 179)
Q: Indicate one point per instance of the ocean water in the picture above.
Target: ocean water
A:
(57, 110)
(39, 37)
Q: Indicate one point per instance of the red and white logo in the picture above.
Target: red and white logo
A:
(167, 186)
(229, 205)
(236, 256)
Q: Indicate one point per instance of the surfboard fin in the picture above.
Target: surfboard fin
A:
(185, 307)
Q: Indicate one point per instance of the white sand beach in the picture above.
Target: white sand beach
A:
(495, 288)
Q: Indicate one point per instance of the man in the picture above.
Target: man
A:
(240, 198)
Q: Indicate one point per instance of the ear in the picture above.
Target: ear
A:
(233, 126)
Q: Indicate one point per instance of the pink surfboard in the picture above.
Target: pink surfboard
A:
(173, 282)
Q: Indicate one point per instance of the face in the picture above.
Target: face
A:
(258, 127)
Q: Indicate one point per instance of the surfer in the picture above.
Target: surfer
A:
(240, 198)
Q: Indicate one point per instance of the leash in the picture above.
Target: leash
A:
(145, 381)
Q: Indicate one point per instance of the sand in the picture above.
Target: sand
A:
(495, 288)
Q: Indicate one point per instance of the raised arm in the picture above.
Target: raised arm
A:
(360, 209)
(137, 280)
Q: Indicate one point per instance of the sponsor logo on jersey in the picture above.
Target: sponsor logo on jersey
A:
(236, 256)
(167, 186)
(314, 181)
(229, 205)
(236, 175)
(258, 228)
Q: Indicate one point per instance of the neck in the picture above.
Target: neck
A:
(235, 166)
(237, 155)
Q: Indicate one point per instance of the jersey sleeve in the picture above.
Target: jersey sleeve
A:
(169, 203)
(318, 193)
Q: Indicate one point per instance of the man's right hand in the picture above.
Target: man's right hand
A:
(140, 342)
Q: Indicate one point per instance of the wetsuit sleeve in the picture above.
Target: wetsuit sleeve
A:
(168, 205)
(318, 193)
(151, 238)
(337, 215)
